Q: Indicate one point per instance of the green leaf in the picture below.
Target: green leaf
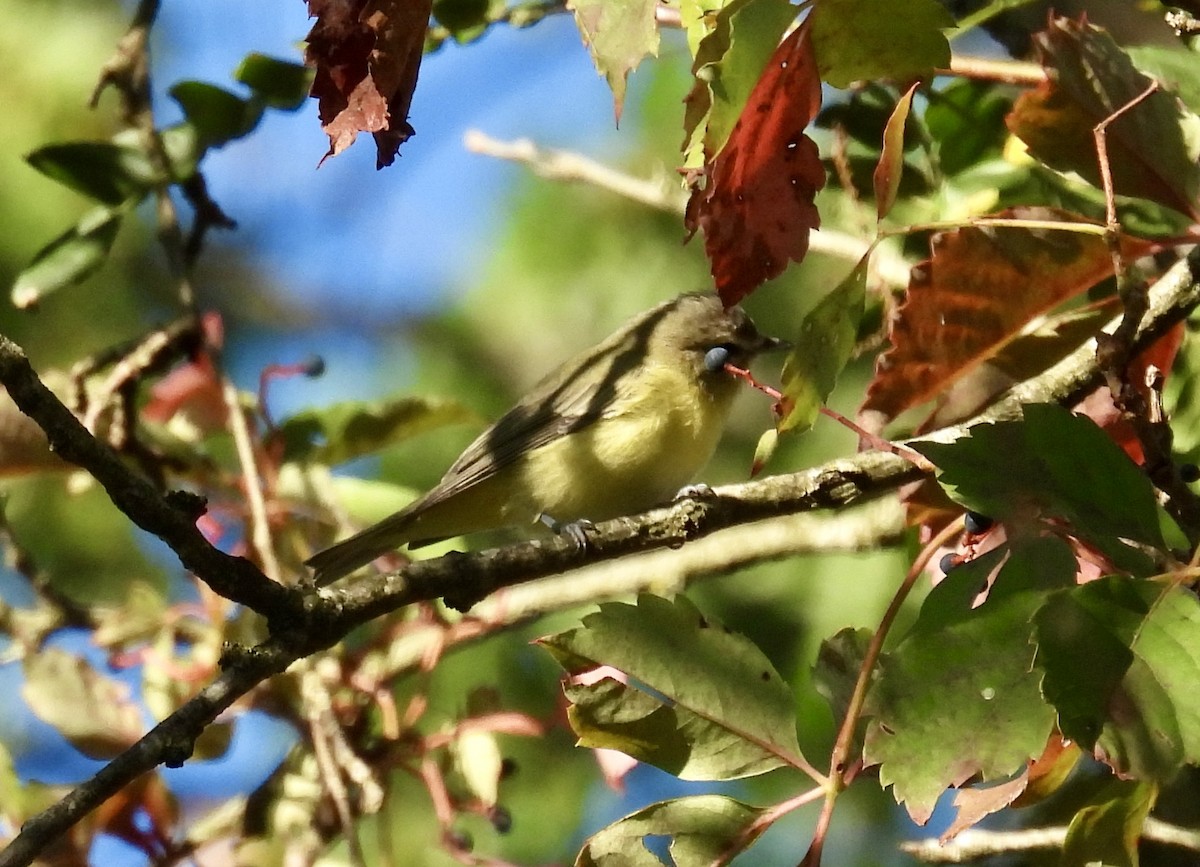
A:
(618, 34)
(280, 84)
(217, 115)
(92, 712)
(69, 258)
(729, 62)
(612, 715)
(1121, 661)
(852, 46)
(1173, 67)
(966, 121)
(351, 429)
(109, 173)
(702, 828)
(713, 688)
(968, 673)
(826, 341)
(1056, 465)
(1107, 832)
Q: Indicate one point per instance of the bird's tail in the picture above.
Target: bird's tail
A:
(360, 549)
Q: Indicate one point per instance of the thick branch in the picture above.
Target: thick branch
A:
(172, 517)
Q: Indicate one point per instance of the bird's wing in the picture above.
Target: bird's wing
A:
(569, 400)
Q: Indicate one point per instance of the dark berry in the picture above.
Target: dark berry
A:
(949, 561)
(1189, 473)
(977, 524)
(501, 819)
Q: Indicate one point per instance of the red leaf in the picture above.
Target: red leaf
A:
(756, 208)
(974, 296)
(367, 54)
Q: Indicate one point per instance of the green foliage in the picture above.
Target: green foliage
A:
(699, 701)
(1054, 465)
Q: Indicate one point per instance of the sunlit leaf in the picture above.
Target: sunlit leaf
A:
(716, 708)
(826, 341)
(852, 43)
(891, 161)
(966, 671)
(335, 434)
(975, 295)
(756, 206)
(729, 62)
(216, 114)
(93, 712)
(701, 828)
(69, 258)
(619, 34)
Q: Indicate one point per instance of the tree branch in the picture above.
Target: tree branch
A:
(305, 622)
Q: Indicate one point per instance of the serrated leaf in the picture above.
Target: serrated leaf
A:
(851, 45)
(69, 258)
(216, 115)
(615, 716)
(110, 173)
(92, 712)
(694, 667)
(970, 674)
(1121, 661)
(974, 296)
(1057, 465)
(280, 84)
(701, 828)
(1153, 147)
(335, 434)
(619, 34)
(1107, 832)
(826, 342)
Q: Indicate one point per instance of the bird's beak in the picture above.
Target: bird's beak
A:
(774, 344)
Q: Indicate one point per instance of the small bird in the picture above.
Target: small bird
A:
(613, 431)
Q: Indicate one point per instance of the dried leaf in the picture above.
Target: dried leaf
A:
(757, 208)
(891, 161)
(367, 54)
(973, 297)
(1153, 148)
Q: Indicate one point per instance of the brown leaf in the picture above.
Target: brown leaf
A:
(93, 712)
(972, 298)
(756, 207)
(891, 160)
(367, 54)
(1151, 148)
(976, 803)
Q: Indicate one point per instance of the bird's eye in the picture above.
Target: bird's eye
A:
(717, 357)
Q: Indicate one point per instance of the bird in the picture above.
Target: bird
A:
(615, 430)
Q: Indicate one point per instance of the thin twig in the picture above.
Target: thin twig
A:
(975, 844)
(664, 194)
(1018, 72)
(260, 526)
